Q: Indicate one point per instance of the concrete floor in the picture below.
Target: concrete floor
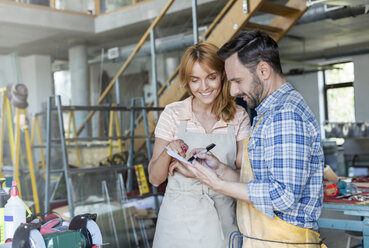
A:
(336, 238)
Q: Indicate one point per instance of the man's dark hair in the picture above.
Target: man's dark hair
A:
(251, 48)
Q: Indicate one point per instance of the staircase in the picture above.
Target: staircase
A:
(228, 23)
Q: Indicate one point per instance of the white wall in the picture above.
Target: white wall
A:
(361, 87)
(34, 71)
(36, 75)
(307, 85)
(8, 70)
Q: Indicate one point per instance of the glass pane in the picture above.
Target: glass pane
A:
(91, 195)
(341, 106)
(344, 74)
(111, 5)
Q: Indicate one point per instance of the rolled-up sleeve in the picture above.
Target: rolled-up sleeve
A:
(165, 126)
(287, 150)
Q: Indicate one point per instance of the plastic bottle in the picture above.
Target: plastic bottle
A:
(4, 197)
(14, 212)
(351, 172)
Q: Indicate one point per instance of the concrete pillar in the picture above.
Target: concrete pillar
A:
(171, 64)
(79, 79)
(361, 87)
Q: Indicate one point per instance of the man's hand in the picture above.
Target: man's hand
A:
(179, 167)
(206, 159)
(205, 175)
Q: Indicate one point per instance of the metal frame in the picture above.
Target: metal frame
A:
(332, 86)
(194, 22)
(67, 172)
(361, 225)
(148, 143)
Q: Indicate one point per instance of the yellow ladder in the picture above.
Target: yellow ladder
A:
(114, 121)
(68, 135)
(36, 127)
(15, 147)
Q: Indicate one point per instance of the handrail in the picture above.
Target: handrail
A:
(128, 61)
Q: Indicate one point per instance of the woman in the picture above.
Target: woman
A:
(191, 214)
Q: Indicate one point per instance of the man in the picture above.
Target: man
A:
(280, 186)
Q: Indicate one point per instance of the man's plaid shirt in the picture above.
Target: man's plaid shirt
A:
(287, 159)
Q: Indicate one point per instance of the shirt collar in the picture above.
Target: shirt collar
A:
(185, 113)
(273, 98)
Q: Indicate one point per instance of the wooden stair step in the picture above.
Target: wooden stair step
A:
(277, 9)
(268, 29)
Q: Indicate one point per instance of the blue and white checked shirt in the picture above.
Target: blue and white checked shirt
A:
(287, 159)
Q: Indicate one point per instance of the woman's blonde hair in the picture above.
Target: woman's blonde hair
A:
(206, 54)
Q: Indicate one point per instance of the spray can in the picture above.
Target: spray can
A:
(14, 212)
(4, 197)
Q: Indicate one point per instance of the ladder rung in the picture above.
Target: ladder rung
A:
(277, 9)
(266, 28)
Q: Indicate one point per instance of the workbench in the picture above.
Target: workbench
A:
(361, 224)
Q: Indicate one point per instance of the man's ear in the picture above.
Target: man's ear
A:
(263, 70)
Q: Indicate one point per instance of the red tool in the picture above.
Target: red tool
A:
(331, 190)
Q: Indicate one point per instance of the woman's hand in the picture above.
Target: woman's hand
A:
(206, 159)
(159, 164)
(177, 166)
(178, 146)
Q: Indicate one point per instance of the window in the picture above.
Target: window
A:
(339, 93)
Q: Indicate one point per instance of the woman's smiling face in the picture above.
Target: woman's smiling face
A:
(205, 83)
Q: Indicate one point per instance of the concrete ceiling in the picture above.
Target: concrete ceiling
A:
(327, 38)
(30, 32)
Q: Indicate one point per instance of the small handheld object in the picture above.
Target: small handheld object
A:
(208, 148)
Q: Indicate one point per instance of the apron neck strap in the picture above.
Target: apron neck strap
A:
(230, 129)
(256, 124)
(182, 126)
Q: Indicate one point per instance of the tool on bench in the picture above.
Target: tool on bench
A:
(341, 189)
(83, 232)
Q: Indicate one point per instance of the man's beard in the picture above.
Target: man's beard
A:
(254, 97)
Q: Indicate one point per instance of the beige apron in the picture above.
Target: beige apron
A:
(260, 231)
(192, 215)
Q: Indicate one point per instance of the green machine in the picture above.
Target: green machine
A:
(83, 232)
(70, 239)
